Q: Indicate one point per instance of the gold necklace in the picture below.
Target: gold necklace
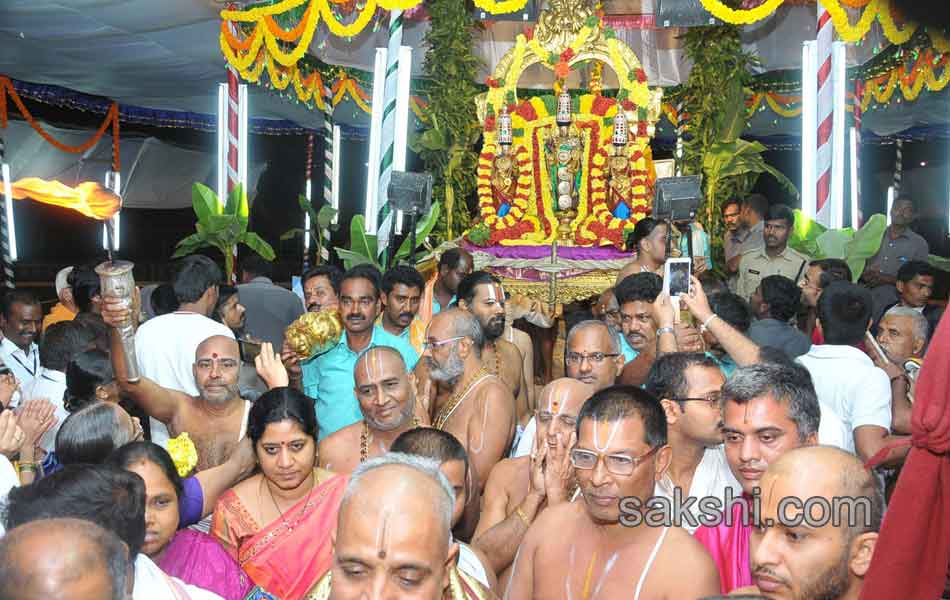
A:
(290, 528)
(456, 399)
(364, 438)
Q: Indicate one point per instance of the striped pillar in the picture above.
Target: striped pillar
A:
(680, 130)
(308, 186)
(8, 277)
(825, 108)
(233, 118)
(387, 216)
(856, 156)
(898, 166)
(328, 165)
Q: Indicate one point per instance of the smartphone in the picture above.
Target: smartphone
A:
(249, 350)
(872, 343)
(676, 276)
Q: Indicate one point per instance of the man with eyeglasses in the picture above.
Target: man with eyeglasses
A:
(603, 545)
(519, 489)
(607, 309)
(819, 275)
(689, 388)
(214, 419)
(767, 410)
(480, 410)
(328, 377)
(591, 356)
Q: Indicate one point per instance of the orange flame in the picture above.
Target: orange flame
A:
(88, 198)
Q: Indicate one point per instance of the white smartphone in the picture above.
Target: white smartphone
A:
(676, 276)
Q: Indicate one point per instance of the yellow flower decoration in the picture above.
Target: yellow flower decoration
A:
(743, 17)
(183, 453)
(500, 7)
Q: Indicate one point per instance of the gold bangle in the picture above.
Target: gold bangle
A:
(28, 467)
(523, 516)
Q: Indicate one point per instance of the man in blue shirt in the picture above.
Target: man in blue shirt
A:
(328, 377)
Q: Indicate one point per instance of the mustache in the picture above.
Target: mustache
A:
(406, 315)
(761, 570)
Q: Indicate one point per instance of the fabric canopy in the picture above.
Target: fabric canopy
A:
(154, 174)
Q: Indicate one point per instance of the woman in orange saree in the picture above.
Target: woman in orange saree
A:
(277, 524)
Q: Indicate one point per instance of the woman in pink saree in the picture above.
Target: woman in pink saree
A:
(277, 523)
(193, 557)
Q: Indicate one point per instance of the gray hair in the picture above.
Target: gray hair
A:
(612, 333)
(921, 327)
(445, 503)
(465, 324)
(789, 383)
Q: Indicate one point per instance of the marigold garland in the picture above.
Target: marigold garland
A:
(183, 453)
(500, 7)
(742, 17)
(910, 82)
(112, 118)
(515, 223)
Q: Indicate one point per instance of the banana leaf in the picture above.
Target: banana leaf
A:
(727, 159)
(324, 218)
(204, 201)
(361, 242)
(423, 229)
(351, 259)
(804, 235)
(257, 244)
(189, 245)
(939, 262)
(866, 243)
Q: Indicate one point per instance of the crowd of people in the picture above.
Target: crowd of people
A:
(422, 454)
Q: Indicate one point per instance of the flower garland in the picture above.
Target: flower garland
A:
(603, 226)
(500, 7)
(112, 118)
(911, 81)
(514, 224)
(742, 17)
(183, 453)
(267, 35)
(880, 10)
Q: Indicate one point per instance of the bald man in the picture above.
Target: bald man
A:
(480, 410)
(215, 419)
(519, 489)
(393, 536)
(815, 560)
(386, 393)
(592, 355)
(63, 559)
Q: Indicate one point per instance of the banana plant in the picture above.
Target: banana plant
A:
(364, 248)
(320, 220)
(854, 247)
(221, 226)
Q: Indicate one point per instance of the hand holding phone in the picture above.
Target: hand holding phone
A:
(676, 276)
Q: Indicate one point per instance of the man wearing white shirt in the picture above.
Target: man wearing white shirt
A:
(689, 388)
(165, 346)
(21, 319)
(845, 378)
(61, 342)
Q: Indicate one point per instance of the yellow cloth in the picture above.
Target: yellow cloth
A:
(56, 314)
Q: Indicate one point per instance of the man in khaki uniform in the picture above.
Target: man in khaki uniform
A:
(775, 257)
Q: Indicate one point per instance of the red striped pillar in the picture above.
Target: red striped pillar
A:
(825, 121)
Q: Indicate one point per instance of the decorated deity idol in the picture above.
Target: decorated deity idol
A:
(620, 186)
(504, 174)
(563, 152)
